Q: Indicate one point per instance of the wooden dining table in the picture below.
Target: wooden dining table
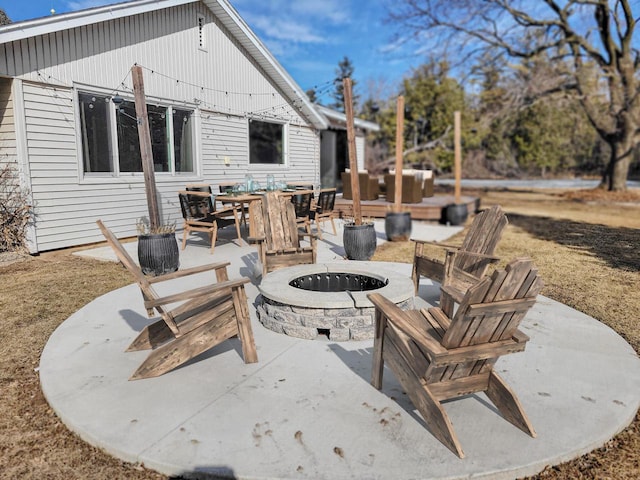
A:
(249, 200)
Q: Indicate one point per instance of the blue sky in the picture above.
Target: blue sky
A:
(308, 37)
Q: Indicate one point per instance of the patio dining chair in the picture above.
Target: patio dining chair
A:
(227, 189)
(324, 209)
(200, 215)
(302, 205)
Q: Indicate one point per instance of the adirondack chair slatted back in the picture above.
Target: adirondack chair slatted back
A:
(147, 290)
(279, 220)
(490, 312)
(483, 237)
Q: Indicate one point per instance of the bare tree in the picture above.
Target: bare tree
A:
(587, 35)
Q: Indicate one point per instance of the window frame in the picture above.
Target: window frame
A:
(285, 144)
(115, 172)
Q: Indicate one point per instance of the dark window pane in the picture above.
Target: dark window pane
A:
(266, 143)
(94, 124)
(183, 140)
(128, 143)
(159, 137)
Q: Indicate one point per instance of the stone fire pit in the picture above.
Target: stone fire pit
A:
(329, 299)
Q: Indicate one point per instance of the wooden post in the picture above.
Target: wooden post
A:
(146, 151)
(351, 142)
(399, 151)
(457, 167)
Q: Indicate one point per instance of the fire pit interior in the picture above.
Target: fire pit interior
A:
(338, 282)
(329, 299)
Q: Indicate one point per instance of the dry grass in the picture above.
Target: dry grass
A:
(585, 248)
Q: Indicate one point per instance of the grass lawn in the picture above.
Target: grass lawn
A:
(585, 246)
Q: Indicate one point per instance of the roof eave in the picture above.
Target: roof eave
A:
(55, 23)
(230, 18)
(221, 8)
(341, 117)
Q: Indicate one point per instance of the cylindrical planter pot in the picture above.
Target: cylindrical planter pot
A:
(158, 253)
(397, 226)
(456, 214)
(359, 241)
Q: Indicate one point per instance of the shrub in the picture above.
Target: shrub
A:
(16, 213)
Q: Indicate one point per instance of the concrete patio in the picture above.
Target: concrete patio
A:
(306, 410)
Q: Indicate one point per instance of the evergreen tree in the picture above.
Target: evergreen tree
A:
(345, 70)
(4, 19)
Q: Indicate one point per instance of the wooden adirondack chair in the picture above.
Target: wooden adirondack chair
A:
(208, 315)
(435, 357)
(277, 235)
(462, 266)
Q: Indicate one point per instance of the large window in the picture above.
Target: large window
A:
(266, 142)
(171, 136)
(96, 148)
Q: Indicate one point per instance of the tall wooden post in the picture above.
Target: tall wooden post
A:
(146, 151)
(351, 143)
(457, 166)
(397, 206)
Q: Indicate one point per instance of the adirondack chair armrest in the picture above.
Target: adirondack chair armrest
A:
(456, 294)
(310, 235)
(189, 271)
(399, 319)
(473, 353)
(435, 244)
(194, 293)
(520, 337)
(256, 239)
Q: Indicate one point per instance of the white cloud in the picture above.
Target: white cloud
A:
(334, 11)
(284, 29)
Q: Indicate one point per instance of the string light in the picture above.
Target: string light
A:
(285, 112)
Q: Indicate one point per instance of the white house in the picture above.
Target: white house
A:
(219, 105)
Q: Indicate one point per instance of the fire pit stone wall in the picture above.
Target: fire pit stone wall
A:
(341, 316)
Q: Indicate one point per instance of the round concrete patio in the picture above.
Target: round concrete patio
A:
(306, 410)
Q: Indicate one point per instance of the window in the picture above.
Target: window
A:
(94, 117)
(171, 136)
(266, 142)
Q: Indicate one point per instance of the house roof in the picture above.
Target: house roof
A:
(227, 15)
(339, 119)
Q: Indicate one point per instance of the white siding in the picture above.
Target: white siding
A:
(223, 83)
(66, 209)
(304, 155)
(7, 125)
(222, 78)
(227, 136)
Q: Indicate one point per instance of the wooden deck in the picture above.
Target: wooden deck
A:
(431, 208)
